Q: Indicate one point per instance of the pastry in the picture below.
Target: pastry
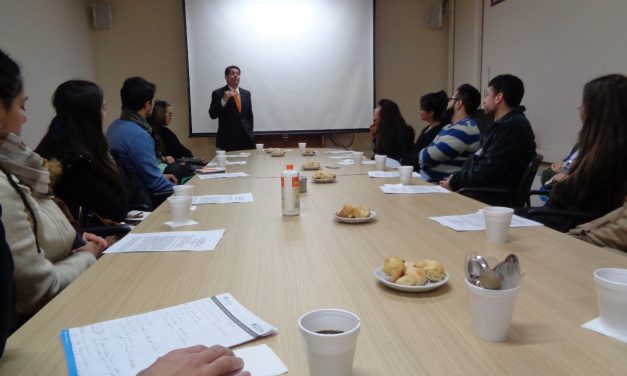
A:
(309, 151)
(349, 211)
(311, 165)
(323, 175)
(393, 267)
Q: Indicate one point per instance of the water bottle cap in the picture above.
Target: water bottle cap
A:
(290, 166)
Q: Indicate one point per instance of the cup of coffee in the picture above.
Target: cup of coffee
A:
(184, 190)
(302, 146)
(358, 156)
(379, 162)
(611, 286)
(405, 174)
(259, 148)
(179, 208)
(491, 311)
(330, 337)
(221, 160)
(497, 222)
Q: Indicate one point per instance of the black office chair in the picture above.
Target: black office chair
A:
(507, 197)
(558, 219)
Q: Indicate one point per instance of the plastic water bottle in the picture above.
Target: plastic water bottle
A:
(290, 191)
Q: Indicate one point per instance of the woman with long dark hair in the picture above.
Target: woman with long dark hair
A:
(166, 141)
(394, 137)
(594, 184)
(90, 178)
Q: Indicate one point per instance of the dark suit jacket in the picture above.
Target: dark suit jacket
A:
(235, 129)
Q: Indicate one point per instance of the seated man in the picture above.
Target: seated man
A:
(455, 142)
(507, 146)
(129, 137)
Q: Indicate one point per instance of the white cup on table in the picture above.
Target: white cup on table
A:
(358, 156)
(302, 146)
(611, 286)
(259, 148)
(404, 173)
(330, 337)
(179, 209)
(184, 190)
(220, 152)
(491, 311)
(379, 162)
(497, 222)
(221, 160)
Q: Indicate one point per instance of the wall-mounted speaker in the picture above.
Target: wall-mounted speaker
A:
(434, 16)
(101, 14)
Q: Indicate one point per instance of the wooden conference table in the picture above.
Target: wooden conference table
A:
(281, 267)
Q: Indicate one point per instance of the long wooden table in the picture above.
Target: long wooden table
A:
(281, 267)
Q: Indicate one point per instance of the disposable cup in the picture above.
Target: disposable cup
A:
(179, 208)
(259, 148)
(221, 160)
(184, 190)
(379, 162)
(303, 184)
(497, 222)
(358, 156)
(330, 354)
(302, 146)
(612, 298)
(491, 311)
(405, 174)
(220, 152)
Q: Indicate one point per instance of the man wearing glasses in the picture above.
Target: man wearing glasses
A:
(507, 146)
(456, 141)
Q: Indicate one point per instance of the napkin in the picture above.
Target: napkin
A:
(596, 326)
(188, 223)
(261, 360)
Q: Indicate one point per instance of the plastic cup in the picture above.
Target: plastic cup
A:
(179, 208)
(497, 222)
(379, 162)
(491, 311)
(259, 148)
(612, 298)
(220, 152)
(184, 190)
(330, 354)
(221, 159)
(303, 184)
(358, 156)
(405, 174)
(302, 146)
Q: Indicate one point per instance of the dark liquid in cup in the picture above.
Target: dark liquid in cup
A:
(330, 331)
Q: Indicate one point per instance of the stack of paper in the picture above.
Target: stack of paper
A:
(476, 221)
(228, 163)
(168, 241)
(410, 189)
(349, 162)
(222, 199)
(240, 155)
(223, 175)
(389, 174)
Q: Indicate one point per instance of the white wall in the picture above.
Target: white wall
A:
(465, 54)
(50, 41)
(555, 47)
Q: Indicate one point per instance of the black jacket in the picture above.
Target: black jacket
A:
(505, 150)
(172, 145)
(235, 129)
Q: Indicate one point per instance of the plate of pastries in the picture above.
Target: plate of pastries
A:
(354, 214)
(411, 276)
(311, 165)
(323, 176)
(308, 152)
(277, 153)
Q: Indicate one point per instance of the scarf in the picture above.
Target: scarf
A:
(24, 163)
(136, 118)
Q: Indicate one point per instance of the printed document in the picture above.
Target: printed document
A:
(476, 222)
(168, 241)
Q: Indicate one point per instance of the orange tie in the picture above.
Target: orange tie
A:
(237, 103)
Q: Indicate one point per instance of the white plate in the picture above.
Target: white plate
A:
(378, 273)
(323, 180)
(355, 220)
(136, 216)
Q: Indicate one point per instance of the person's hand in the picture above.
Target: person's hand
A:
(89, 237)
(171, 178)
(559, 177)
(197, 361)
(94, 245)
(557, 167)
(444, 183)
(168, 159)
(227, 95)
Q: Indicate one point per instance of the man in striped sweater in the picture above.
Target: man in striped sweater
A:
(456, 141)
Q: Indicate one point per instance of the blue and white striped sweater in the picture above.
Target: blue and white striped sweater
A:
(450, 148)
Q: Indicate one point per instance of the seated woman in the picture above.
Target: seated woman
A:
(432, 107)
(593, 183)
(47, 253)
(394, 137)
(89, 179)
(168, 145)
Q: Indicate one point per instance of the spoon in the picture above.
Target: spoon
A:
(491, 280)
(475, 265)
(509, 271)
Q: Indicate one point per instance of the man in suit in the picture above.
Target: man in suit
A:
(232, 106)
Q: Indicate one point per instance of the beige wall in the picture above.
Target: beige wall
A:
(466, 49)
(51, 44)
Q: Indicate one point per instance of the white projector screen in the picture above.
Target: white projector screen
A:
(309, 64)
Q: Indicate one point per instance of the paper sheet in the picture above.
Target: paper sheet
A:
(347, 156)
(261, 360)
(189, 222)
(240, 155)
(127, 345)
(338, 151)
(389, 174)
(168, 241)
(222, 199)
(350, 162)
(476, 221)
(223, 175)
(412, 189)
(596, 326)
(228, 163)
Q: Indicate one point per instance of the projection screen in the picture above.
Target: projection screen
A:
(309, 64)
